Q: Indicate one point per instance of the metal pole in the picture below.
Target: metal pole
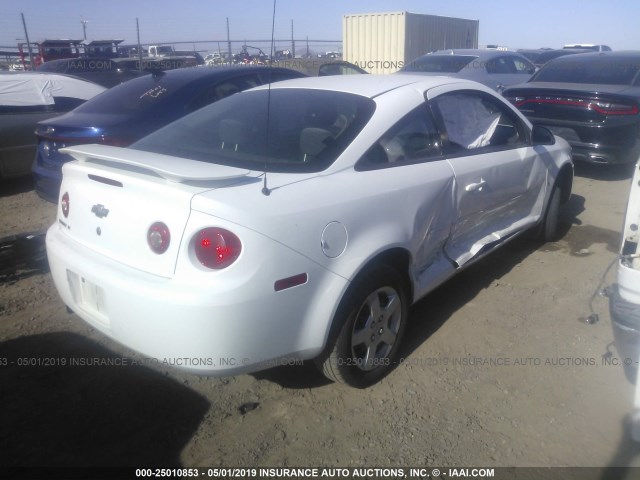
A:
(139, 46)
(293, 42)
(228, 42)
(26, 35)
(84, 27)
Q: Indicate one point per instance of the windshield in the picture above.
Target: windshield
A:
(282, 130)
(439, 63)
(589, 69)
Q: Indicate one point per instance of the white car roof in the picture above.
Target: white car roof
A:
(366, 85)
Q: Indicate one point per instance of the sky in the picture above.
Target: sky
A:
(511, 23)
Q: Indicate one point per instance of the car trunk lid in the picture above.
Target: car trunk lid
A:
(115, 195)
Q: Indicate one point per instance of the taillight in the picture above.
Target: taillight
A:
(216, 248)
(601, 106)
(611, 108)
(64, 204)
(158, 238)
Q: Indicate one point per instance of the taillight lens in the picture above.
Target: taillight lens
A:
(64, 204)
(216, 248)
(601, 106)
(611, 108)
(158, 238)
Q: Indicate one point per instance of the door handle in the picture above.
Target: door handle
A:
(475, 187)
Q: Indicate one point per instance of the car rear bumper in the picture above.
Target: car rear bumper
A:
(221, 327)
(600, 154)
(47, 177)
(47, 184)
(625, 318)
(597, 143)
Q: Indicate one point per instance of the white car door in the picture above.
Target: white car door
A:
(499, 179)
(407, 174)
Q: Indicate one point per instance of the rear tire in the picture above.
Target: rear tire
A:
(373, 316)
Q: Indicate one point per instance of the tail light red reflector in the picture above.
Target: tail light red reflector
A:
(216, 248)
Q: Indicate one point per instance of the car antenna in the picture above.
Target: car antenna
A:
(265, 190)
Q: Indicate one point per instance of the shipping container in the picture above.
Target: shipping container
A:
(385, 42)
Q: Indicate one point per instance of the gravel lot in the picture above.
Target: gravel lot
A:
(499, 371)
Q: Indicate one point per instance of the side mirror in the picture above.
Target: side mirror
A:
(542, 136)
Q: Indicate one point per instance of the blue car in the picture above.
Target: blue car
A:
(132, 110)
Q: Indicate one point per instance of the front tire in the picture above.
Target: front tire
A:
(550, 227)
(373, 315)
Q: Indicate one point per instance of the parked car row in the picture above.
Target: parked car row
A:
(130, 111)
(184, 179)
(591, 99)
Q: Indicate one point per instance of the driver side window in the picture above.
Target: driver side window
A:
(473, 120)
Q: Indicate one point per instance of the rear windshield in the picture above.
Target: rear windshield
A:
(135, 96)
(439, 63)
(282, 130)
(589, 69)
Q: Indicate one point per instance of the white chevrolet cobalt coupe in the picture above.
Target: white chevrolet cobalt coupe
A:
(300, 220)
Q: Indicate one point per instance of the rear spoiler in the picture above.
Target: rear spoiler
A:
(173, 169)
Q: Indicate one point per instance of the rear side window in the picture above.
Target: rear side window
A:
(283, 130)
(413, 139)
(500, 65)
(219, 90)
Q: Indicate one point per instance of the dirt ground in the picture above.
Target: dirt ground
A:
(500, 370)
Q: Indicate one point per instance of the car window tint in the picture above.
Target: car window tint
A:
(473, 120)
(219, 90)
(286, 130)
(338, 69)
(500, 65)
(414, 138)
(589, 68)
(439, 63)
(140, 95)
(522, 66)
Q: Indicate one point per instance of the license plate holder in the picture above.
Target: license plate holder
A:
(89, 297)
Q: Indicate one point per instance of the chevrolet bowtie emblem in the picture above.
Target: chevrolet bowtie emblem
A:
(100, 211)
